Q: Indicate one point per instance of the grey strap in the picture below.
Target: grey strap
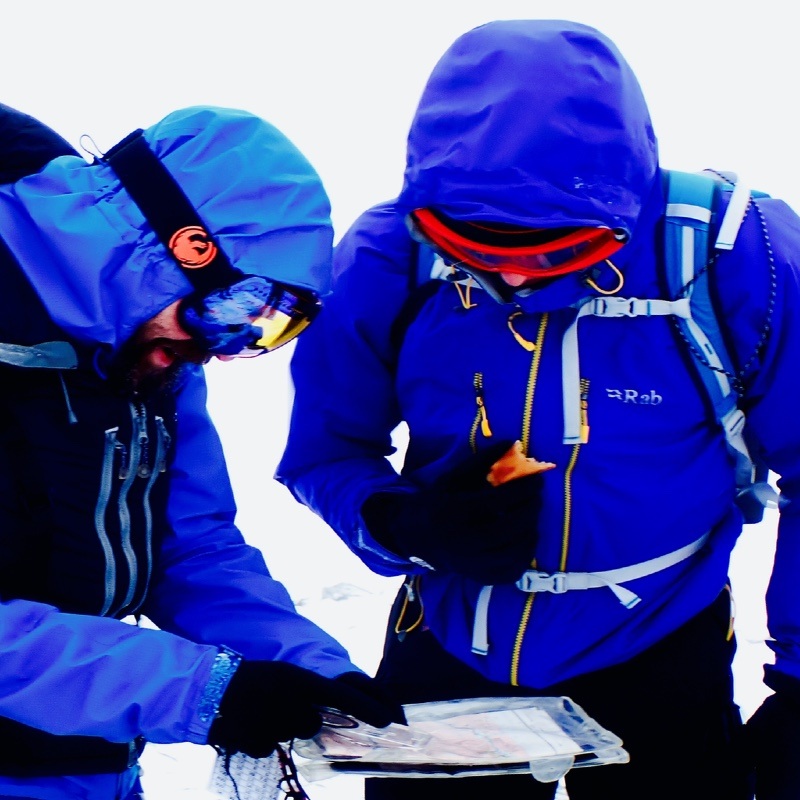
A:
(47, 355)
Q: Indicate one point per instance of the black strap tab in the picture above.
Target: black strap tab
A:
(170, 213)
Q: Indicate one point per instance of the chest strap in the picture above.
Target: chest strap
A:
(533, 581)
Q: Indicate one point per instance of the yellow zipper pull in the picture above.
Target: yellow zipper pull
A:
(584, 410)
(478, 383)
(519, 339)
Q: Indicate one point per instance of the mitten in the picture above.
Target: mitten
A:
(268, 702)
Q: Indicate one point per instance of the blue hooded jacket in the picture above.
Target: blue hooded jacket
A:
(100, 272)
(543, 124)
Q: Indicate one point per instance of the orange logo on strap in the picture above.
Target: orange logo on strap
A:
(192, 247)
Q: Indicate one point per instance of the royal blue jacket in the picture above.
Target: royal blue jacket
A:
(99, 271)
(543, 124)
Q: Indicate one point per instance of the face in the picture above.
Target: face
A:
(150, 360)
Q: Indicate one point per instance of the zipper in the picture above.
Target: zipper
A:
(565, 531)
(527, 412)
(525, 438)
(112, 446)
(481, 418)
(163, 441)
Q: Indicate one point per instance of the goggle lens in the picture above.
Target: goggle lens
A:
(252, 317)
(536, 253)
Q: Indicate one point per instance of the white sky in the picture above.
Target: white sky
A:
(342, 79)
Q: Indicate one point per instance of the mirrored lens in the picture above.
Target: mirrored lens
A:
(250, 318)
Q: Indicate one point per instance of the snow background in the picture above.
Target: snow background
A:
(342, 79)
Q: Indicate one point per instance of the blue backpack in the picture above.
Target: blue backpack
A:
(694, 237)
(693, 203)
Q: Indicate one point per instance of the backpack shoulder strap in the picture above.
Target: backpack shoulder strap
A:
(693, 200)
(693, 238)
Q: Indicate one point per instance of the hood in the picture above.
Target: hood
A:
(99, 267)
(539, 123)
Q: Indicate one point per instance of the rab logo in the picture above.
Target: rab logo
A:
(650, 398)
(192, 247)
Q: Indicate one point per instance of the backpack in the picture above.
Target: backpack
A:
(694, 203)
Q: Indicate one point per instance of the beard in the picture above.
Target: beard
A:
(132, 371)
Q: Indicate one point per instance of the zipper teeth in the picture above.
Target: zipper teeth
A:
(531, 387)
(159, 466)
(567, 529)
(562, 564)
(523, 624)
(525, 438)
(481, 417)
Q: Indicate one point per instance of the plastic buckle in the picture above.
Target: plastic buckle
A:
(615, 306)
(533, 581)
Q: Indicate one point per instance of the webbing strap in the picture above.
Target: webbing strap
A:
(533, 581)
(167, 209)
(734, 216)
(608, 307)
(480, 630)
(687, 254)
(560, 582)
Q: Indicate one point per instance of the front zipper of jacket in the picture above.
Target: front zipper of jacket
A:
(565, 531)
(525, 438)
(159, 467)
(480, 644)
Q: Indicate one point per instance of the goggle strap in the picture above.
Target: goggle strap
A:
(165, 206)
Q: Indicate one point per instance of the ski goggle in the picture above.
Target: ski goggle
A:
(537, 253)
(251, 317)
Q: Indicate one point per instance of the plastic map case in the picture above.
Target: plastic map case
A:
(543, 736)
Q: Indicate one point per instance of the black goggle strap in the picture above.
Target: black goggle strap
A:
(170, 213)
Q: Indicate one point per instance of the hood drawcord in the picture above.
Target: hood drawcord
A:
(71, 417)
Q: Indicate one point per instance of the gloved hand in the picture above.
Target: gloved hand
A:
(461, 523)
(773, 740)
(267, 702)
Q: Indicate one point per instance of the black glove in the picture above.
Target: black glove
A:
(461, 523)
(773, 740)
(267, 702)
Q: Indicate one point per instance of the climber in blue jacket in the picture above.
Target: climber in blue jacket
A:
(205, 235)
(534, 198)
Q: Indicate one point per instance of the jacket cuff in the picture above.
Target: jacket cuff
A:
(222, 670)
